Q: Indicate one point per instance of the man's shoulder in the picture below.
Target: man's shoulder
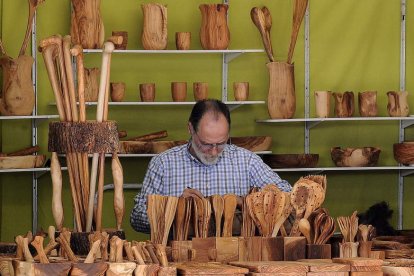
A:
(175, 152)
(233, 149)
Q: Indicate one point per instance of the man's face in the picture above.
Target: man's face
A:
(210, 139)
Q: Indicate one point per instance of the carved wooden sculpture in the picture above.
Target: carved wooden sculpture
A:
(87, 27)
(214, 32)
(398, 104)
(344, 104)
(154, 29)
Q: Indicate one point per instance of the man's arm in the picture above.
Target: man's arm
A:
(152, 185)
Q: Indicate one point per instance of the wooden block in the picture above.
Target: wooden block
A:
(81, 269)
(180, 251)
(328, 273)
(397, 271)
(318, 251)
(167, 271)
(121, 269)
(243, 250)
(361, 264)
(147, 270)
(272, 249)
(294, 248)
(254, 246)
(227, 249)
(273, 266)
(377, 254)
(29, 268)
(371, 273)
(326, 266)
(204, 248)
(206, 268)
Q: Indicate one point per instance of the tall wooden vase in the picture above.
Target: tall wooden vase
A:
(87, 26)
(18, 94)
(214, 32)
(281, 100)
(154, 29)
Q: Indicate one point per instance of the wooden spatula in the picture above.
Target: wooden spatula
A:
(299, 199)
(230, 204)
(218, 207)
(287, 209)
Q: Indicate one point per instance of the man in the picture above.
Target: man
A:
(208, 163)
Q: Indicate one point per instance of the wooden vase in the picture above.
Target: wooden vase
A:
(147, 92)
(241, 91)
(87, 27)
(323, 103)
(179, 91)
(18, 97)
(117, 91)
(281, 99)
(367, 103)
(91, 84)
(398, 104)
(182, 40)
(200, 90)
(154, 29)
(344, 104)
(214, 32)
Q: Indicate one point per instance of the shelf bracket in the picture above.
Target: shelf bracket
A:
(404, 173)
(233, 106)
(230, 56)
(407, 123)
(310, 125)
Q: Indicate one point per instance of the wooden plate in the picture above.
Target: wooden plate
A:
(291, 160)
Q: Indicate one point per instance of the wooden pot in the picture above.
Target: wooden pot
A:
(367, 103)
(154, 29)
(323, 103)
(200, 90)
(355, 157)
(281, 99)
(18, 97)
(214, 32)
(87, 26)
(179, 91)
(182, 40)
(344, 104)
(241, 91)
(117, 91)
(147, 92)
(398, 104)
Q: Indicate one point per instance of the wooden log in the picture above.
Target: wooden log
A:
(22, 162)
(148, 147)
(294, 248)
(87, 26)
(25, 151)
(18, 96)
(90, 137)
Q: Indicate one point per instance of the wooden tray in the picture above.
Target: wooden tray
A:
(22, 162)
(153, 147)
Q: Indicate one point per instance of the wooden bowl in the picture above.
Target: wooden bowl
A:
(291, 160)
(404, 152)
(355, 157)
(253, 143)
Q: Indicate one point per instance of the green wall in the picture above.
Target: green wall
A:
(354, 47)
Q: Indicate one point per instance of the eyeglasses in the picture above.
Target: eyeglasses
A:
(208, 146)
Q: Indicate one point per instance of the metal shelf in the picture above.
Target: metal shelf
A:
(231, 103)
(236, 51)
(35, 117)
(141, 155)
(404, 169)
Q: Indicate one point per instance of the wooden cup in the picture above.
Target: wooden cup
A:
(147, 92)
(179, 91)
(124, 43)
(200, 90)
(117, 91)
(182, 40)
(322, 103)
(348, 250)
(241, 91)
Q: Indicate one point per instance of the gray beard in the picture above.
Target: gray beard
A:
(204, 158)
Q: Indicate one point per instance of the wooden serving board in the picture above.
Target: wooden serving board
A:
(206, 268)
(397, 271)
(273, 267)
(153, 147)
(22, 162)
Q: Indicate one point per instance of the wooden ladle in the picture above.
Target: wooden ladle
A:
(259, 20)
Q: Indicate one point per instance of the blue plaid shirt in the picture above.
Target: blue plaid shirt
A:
(172, 171)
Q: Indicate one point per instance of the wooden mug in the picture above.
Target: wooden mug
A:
(200, 90)
(147, 92)
(124, 43)
(179, 91)
(241, 91)
(182, 40)
(117, 91)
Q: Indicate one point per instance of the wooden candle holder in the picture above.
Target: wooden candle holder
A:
(147, 92)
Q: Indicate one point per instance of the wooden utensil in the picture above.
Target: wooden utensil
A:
(298, 14)
(230, 204)
(259, 20)
(305, 229)
(33, 4)
(218, 206)
(57, 206)
(300, 196)
(268, 26)
(287, 209)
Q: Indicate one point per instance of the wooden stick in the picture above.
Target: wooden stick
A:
(128, 251)
(150, 136)
(66, 247)
(38, 245)
(92, 253)
(112, 248)
(19, 251)
(57, 206)
(26, 252)
(137, 255)
(119, 202)
(104, 246)
(25, 151)
(119, 250)
(161, 254)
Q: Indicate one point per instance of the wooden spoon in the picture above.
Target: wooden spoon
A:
(230, 204)
(218, 206)
(32, 9)
(259, 20)
(299, 200)
(287, 209)
(268, 26)
(305, 229)
(298, 14)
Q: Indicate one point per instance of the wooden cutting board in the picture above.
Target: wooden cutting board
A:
(205, 268)
(22, 162)
(273, 267)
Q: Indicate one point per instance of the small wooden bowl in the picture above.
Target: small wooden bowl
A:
(355, 157)
(404, 152)
(253, 143)
(290, 160)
